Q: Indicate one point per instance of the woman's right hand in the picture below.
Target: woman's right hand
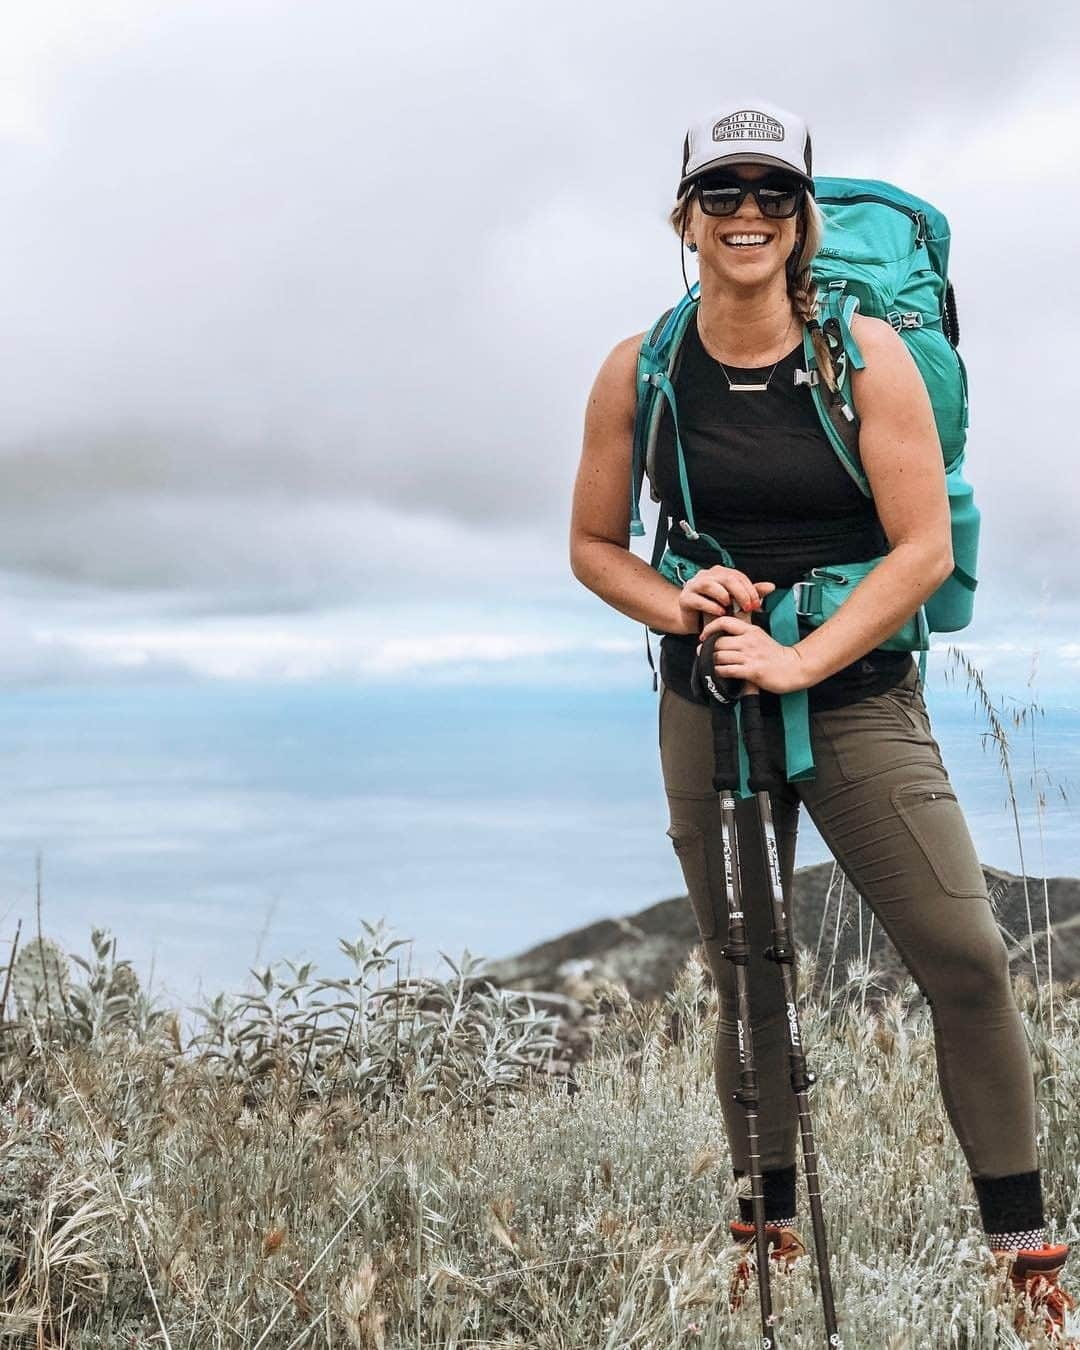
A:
(718, 590)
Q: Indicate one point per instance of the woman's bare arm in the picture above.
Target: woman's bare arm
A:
(901, 456)
(600, 555)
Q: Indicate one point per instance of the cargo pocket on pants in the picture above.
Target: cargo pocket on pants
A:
(875, 734)
(689, 844)
(936, 822)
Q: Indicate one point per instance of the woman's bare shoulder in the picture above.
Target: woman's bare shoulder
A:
(622, 359)
(877, 336)
(616, 380)
(888, 365)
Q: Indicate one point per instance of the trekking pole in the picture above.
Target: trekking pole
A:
(725, 694)
(737, 950)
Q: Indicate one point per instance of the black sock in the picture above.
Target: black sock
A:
(1011, 1208)
(778, 1187)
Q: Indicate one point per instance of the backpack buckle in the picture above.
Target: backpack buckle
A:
(913, 319)
(805, 377)
(807, 598)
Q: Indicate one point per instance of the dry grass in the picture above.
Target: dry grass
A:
(428, 1186)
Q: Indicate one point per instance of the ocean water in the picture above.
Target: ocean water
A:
(217, 827)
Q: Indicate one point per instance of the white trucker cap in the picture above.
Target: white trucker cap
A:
(753, 131)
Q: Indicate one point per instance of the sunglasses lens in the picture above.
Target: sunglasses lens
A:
(719, 197)
(779, 199)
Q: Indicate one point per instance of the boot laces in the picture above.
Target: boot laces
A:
(1048, 1297)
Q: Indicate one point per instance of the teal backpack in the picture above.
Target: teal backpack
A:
(885, 253)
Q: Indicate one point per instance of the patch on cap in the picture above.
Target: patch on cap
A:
(748, 125)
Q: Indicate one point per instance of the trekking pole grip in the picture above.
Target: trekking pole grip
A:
(704, 681)
(725, 747)
(761, 776)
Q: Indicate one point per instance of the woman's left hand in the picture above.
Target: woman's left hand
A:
(745, 652)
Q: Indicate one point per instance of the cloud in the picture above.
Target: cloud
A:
(302, 307)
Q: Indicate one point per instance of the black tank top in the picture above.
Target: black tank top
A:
(766, 483)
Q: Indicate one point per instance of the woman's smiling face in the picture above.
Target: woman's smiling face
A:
(713, 234)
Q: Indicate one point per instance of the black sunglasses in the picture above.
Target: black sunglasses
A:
(778, 195)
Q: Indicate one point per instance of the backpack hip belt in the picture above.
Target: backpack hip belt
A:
(815, 597)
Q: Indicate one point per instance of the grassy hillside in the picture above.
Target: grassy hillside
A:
(375, 1162)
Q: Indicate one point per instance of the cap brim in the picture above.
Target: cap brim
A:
(745, 159)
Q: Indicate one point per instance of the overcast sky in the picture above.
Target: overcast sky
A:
(302, 303)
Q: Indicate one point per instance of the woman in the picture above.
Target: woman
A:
(767, 484)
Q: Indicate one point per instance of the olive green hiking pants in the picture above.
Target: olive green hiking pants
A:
(883, 803)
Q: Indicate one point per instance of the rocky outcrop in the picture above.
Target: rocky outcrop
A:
(644, 950)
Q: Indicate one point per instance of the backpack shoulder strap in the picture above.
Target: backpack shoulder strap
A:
(649, 363)
(837, 411)
(657, 359)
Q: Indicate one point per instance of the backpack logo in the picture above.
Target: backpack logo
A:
(748, 126)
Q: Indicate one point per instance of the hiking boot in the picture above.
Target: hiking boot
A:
(786, 1248)
(1033, 1275)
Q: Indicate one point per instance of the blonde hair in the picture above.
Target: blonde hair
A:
(802, 287)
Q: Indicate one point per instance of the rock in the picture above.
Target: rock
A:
(644, 951)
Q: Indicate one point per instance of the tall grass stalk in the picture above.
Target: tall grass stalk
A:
(996, 733)
(1039, 795)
